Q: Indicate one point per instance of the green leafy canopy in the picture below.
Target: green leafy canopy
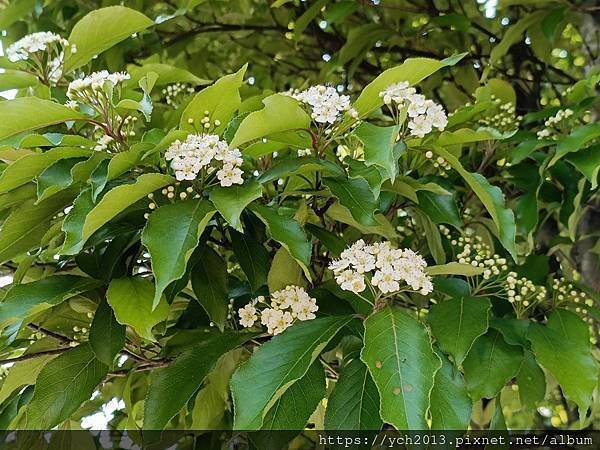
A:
(242, 217)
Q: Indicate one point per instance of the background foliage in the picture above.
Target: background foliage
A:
(112, 304)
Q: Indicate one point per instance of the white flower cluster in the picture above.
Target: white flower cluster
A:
(382, 266)
(503, 117)
(424, 114)
(173, 92)
(326, 104)
(304, 152)
(85, 90)
(286, 306)
(552, 124)
(37, 42)
(205, 152)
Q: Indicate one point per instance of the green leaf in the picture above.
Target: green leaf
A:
(27, 224)
(294, 165)
(173, 386)
(439, 208)
(14, 11)
(450, 403)
(334, 243)
(27, 168)
(276, 365)
(100, 30)
(292, 410)
(359, 40)
(118, 199)
(382, 228)
(490, 364)
(412, 70)
(209, 281)
(212, 402)
(563, 348)
(380, 147)
(167, 74)
(118, 164)
(356, 195)
(16, 79)
(24, 300)
(132, 301)
(493, 200)
(231, 201)
(354, 401)
(107, 336)
(513, 35)
(531, 381)
(426, 227)
(55, 178)
(577, 139)
(467, 135)
(62, 386)
(587, 161)
(281, 113)
(23, 373)
(288, 233)
(72, 226)
(285, 271)
(252, 258)
(454, 268)
(399, 355)
(373, 175)
(121, 197)
(307, 17)
(30, 113)
(513, 330)
(171, 235)
(221, 100)
(456, 323)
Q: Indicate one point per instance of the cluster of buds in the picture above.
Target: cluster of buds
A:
(556, 125)
(205, 123)
(565, 294)
(439, 163)
(94, 89)
(503, 117)
(472, 250)
(522, 294)
(100, 92)
(424, 114)
(80, 333)
(170, 194)
(285, 307)
(43, 53)
(174, 93)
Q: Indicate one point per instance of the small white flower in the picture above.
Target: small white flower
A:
(247, 315)
(230, 175)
